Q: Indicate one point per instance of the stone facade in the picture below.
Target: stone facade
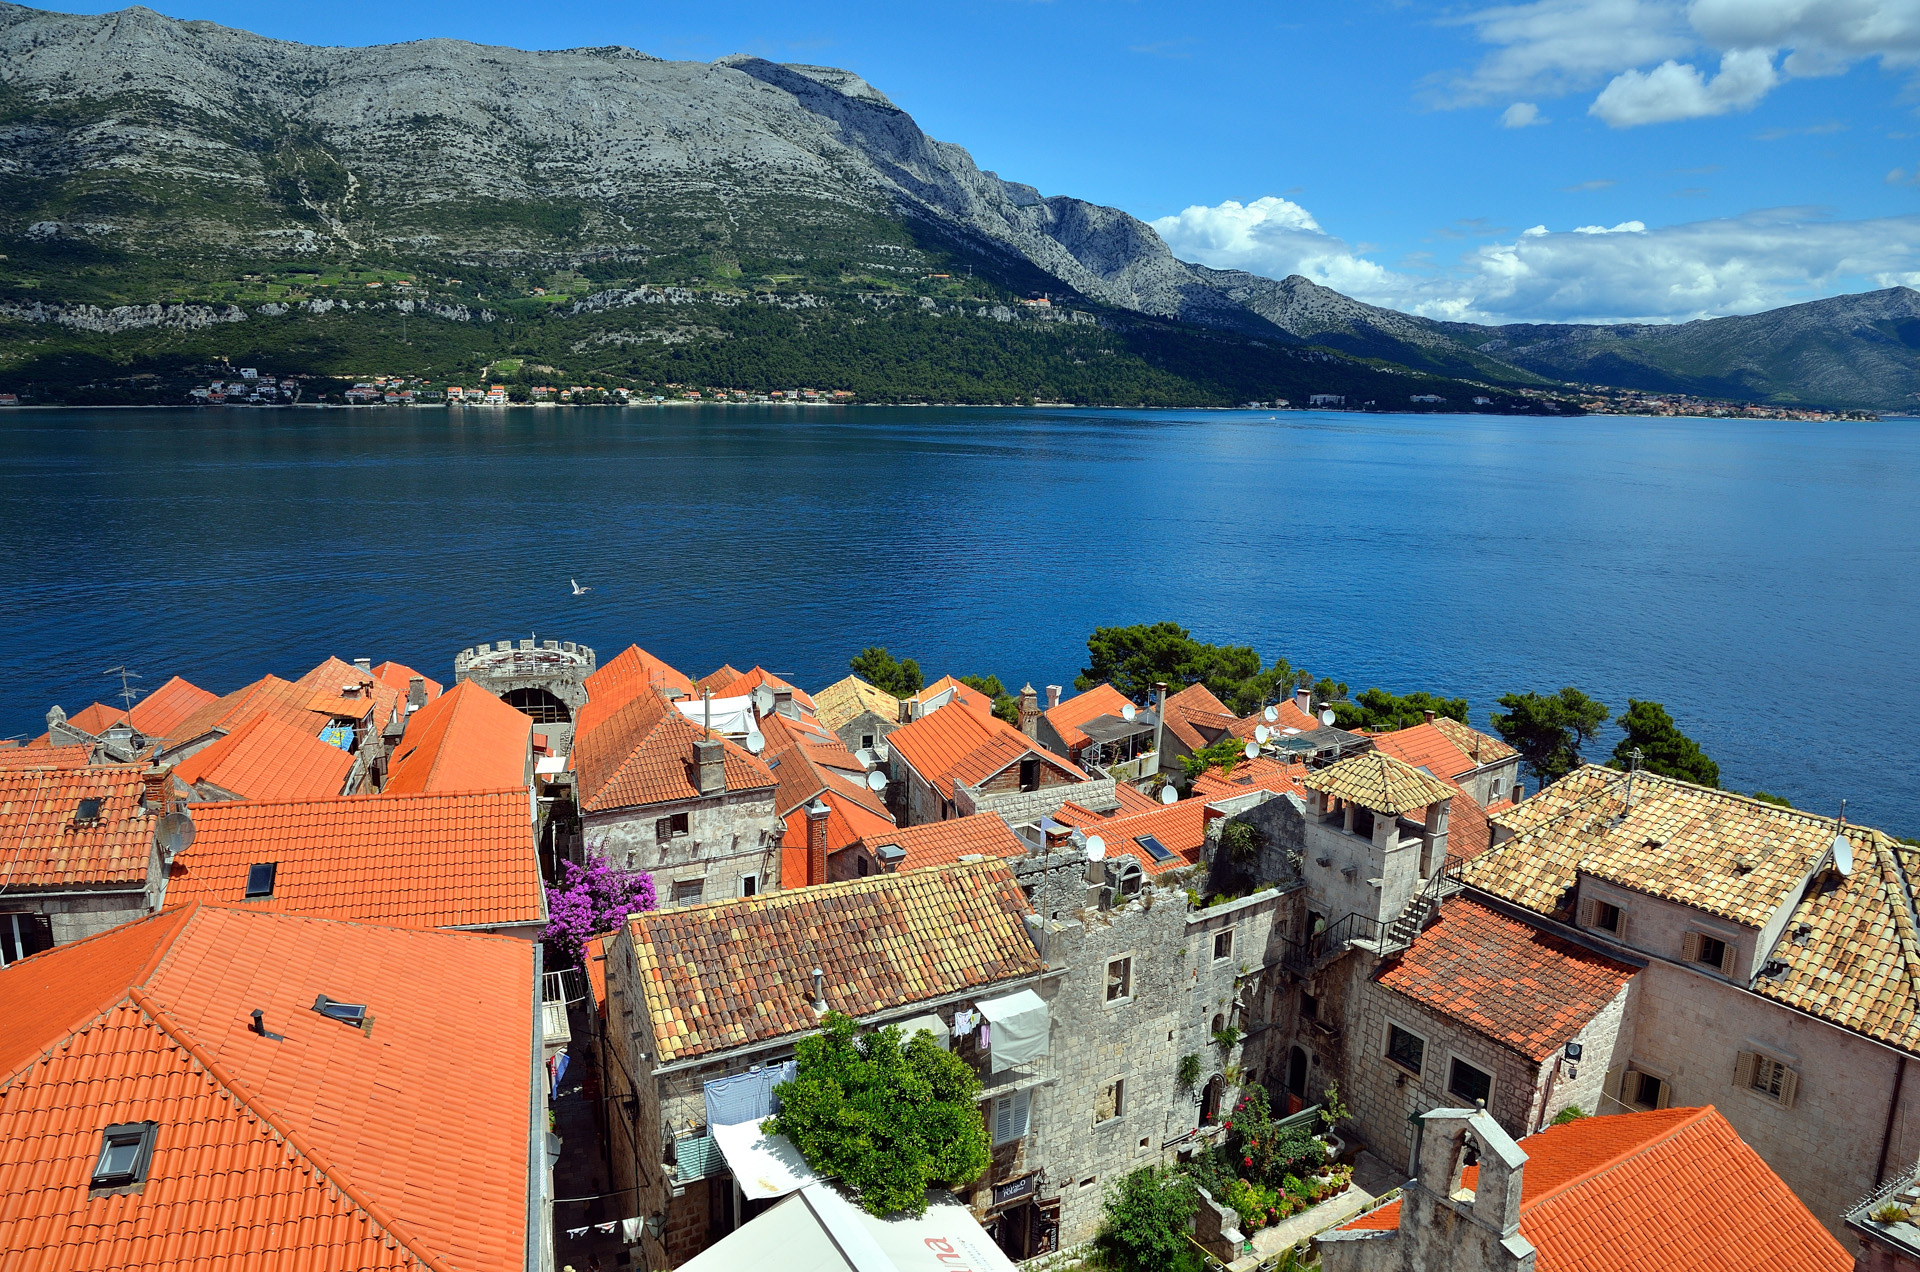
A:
(866, 731)
(1020, 807)
(728, 838)
(557, 669)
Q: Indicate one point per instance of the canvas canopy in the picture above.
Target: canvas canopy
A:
(818, 1230)
(1019, 1027)
(765, 1166)
(731, 716)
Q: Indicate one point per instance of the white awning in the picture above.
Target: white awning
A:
(765, 1166)
(547, 765)
(731, 716)
(1019, 1027)
(931, 1023)
(818, 1230)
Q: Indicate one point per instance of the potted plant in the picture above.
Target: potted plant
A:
(1333, 1112)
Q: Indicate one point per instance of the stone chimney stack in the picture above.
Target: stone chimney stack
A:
(817, 842)
(783, 700)
(1029, 711)
(710, 766)
(416, 693)
(1303, 699)
(1429, 713)
(1053, 696)
(364, 664)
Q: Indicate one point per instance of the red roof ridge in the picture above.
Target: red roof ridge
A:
(1626, 1154)
(164, 1022)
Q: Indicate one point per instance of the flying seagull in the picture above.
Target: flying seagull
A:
(577, 589)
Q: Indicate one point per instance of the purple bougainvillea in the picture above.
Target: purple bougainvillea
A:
(593, 899)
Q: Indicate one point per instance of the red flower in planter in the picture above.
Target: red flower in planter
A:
(1247, 1161)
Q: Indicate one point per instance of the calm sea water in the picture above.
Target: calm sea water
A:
(1761, 579)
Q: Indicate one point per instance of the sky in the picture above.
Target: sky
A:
(1556, 161)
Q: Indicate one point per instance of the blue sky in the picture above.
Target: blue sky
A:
(1440, 158)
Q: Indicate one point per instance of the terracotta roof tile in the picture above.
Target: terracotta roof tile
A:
(464, 740)
(847, 825)
(14, 758)
(632, 669)
(643, 754)
(284, 700)
(1375, 780)
(847, 699)
(1132, 799)
(399, 677)
(1479, 747)
(806, 765)
(746, 682)
(1197, 718)
(1180, 828)
(1676, 1189)
(1258, 774)
(964, 695)
(1066, 719)
(726, 674)
(1426, 746)
(1287, 715)
(945, 745)
(461, 859)
(160, 712)
(265, 759)
(49, 848)
(327, 1146)
(1506, 980)
(939, 843)
(735, 972)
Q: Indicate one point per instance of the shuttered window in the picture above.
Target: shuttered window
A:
(1010, 1114)
(1768, 1077)
(1698, 947)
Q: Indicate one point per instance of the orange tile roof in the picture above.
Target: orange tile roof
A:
(725, 674)
(326, 1147)
(463, 859)
(1066, 719)
(965, 695)
(805, 765)
(1425, 746)
(1257, 774)
(944, 745)
(1181, 828)
(1287, 715)
(729, 973)
(281, 699)
(1675, 1189)
(941, 842)
(633, 667)
(746, 682)
(464, 740)
(265, 759)
(1193, 710)
(47, 848)
(157, 714)
(399, 676)
(13, 758)
(1475, 745)
(1522, 987)
(847, 825)
(1133, 800)
(643, 754)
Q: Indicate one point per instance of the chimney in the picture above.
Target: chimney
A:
(1029, 711)
(1053, 696)
(1429, 714)
(416, 692)
(153, 796)
(364, 664)
(819, 992)
(1303, 699)
(709, 766)
(783, 701)
(817, 845)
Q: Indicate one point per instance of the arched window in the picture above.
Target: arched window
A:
(539, 705)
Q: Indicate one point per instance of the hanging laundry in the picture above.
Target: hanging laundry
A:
(574, 1234)
(630, 1230)
(986, 1036)
(607, 1227)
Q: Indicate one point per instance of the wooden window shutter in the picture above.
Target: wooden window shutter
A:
(1789, 1087)
(1615, 1078)
(1003, 1119)
(1589, 908)
(1743, 1067)
(1620, 925)
(1690, 947)
(1022, 1107)
(1666, 1094)
(1727, 955)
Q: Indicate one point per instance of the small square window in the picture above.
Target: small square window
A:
(1112, 1101)
(688, 891)
(260, 876)
(671, 827)
(1119, 979)
(866, 741)
(1468, 1084)
(125, 1152)
(1223, 944)
(1606, 917)
(1646, 1091)
(750, 885)
(354, 1014)
(1769, 1076)
(1407, 1050)
(1713, 951)
(1309, 1007)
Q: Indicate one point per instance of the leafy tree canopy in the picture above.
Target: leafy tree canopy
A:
(877, 667)
(1134, 658)
(1384, 712)
(889, 1118)
(1005, 705)
(1145, 1229)
(1223, 755)
(1663, 748)
(1548, 729)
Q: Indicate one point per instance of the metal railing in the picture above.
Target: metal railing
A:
(1307, 956)
(567, 985)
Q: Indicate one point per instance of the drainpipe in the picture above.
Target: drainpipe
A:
(1159, 725)
(1893, 1111)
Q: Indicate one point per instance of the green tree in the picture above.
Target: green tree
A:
(1134, 658)
(1005, 705)
(1223, 755)
(1663, 748)
(1145, 1228)
(877, 667)
(1548, 729)
(1384, 712)
(1777, 801)
(889, 1119)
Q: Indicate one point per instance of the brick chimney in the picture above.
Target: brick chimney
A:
(1303, 699)
(1053, 696)
(153, 794)
(1029, 711)
(817, 841)
(709, 766)
(1428, 712)
(416, 692)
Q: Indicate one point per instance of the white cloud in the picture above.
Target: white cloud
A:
(1676, 90)
(1553, 47)
(1521, 115)
(1592, 273)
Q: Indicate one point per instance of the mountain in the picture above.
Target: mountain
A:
(176, 193)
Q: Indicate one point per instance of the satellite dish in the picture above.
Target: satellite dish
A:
(1327, 717)
(762, 700)
(1270, 715)
(756, 742)
(1096, 848)
(1842, 854)
(876, 781)
(174, 834)
(1261, 733)
(1169, 796)
(1127, 713)
(1250, 750)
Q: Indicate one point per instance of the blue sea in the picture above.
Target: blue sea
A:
(1760, 578)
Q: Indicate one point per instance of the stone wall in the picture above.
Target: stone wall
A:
(867, 724)
(728, 836)
(1019, 806)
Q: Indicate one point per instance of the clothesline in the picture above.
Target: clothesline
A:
(559, 1201)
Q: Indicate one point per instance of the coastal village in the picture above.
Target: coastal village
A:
(318, 970)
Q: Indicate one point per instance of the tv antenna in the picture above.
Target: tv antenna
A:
(127, 692)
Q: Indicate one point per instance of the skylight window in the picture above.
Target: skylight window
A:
(125, 1151)
(260, 877)
(89, 810)
(354, 1014)
(1155, 849)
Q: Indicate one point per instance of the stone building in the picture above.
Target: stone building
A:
(548, 683)
(957, 761)
(859, 714)
(1101, 730)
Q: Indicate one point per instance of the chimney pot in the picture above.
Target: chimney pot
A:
(153, 796)
(1428, 712)
(819, 991)
(259, 1024)
(1053, 696)
(1303, 699)
(1029, 711)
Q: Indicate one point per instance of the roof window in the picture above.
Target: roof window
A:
(354, 1014)
(260, 877)
(1155, 849)
(125, 1151)
(88, 810)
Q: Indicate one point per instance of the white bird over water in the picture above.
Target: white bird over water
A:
(577, 589)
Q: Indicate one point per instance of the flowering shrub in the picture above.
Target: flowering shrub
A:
(592, 899)
(1265, 1152)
